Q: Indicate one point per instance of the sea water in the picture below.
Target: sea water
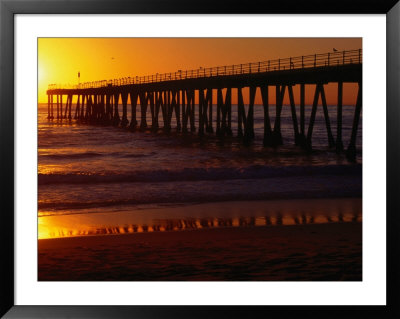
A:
(110, 178)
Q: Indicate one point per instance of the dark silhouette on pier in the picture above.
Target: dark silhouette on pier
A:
(174, 94)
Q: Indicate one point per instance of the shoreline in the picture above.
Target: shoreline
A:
(195, 216)
(273, 188)
(298, 253)
(306, 240)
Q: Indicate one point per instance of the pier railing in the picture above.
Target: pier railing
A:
(335, 58)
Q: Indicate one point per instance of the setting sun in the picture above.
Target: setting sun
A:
(60, 59)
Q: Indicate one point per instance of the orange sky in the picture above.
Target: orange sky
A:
(60, 59)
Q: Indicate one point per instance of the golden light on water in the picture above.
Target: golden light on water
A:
(51, 225)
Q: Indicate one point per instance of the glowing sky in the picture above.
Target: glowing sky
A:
(60, 59)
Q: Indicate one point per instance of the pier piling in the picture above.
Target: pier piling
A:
(339, 142)
(181, 93)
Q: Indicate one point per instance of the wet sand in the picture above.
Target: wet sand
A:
(193, 216)
(310, 252)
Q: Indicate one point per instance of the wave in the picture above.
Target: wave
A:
(78, 156)
(71, 156)
(73, 208)
(199, 174)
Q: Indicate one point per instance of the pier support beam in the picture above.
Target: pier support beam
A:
(319, 90)
(294, 115)
(165, 106)
(188, 110)
(175, 107)
(227, 115)
(219, 112)
(134, 97)
(70, 107)
(351, 150)
(302, 134)
(61, 107)
(94, 110)
(124, 98)
(154, 111)
(89, 108)
(312, 117)
(58, 107)
(48, 106)
(184, 112)
(79, 112)
(102, 110)
(108, 115)
(85, 111)
(66, 107)
(331, 140)
(224, 113)
(249, 123)
(201, 111)
(143, 110)
(191, 97)
(82, 110)
(339, 142)
(78, 106)
(247, 120)
(205, 107)
(209, 128)
(96, 114)
(277, 135)
(241, 113)
(52, 107)
(159, 105)
(65, 116)
(169, 110)
(116, 118)
(267, 141)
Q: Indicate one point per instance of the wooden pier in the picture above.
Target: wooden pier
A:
(174, 95)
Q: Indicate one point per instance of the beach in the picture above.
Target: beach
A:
(306, 247)
(324, 252)
(115, 205)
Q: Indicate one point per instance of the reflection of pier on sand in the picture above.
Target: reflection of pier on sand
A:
(203, 216)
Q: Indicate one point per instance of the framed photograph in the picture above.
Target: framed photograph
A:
(190, 160)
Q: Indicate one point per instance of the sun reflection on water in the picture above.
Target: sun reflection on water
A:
(145, 221)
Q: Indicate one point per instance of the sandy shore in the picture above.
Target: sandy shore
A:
(310, 252)
(193, 216)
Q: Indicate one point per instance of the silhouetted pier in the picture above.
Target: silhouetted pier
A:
(178, 94)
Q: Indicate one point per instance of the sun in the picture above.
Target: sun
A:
(41, 73)
(43, 80)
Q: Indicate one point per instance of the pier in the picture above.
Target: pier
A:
(188, 94)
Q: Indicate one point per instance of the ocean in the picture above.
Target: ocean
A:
(106, 180)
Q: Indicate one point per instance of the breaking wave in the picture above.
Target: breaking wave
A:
(199, 174)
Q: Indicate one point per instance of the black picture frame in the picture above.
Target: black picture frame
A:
(8, 8)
